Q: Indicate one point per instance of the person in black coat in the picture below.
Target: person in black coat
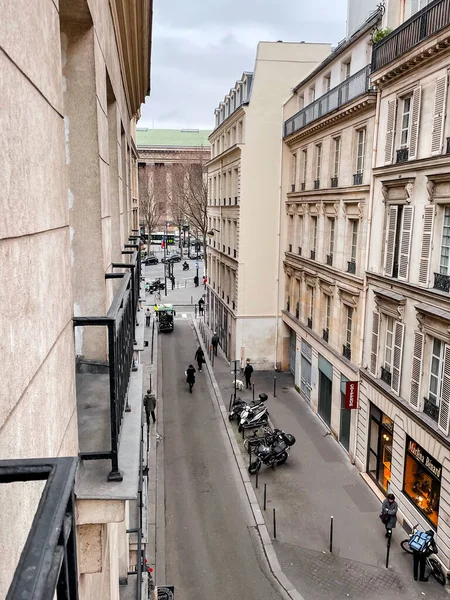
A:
(190, 377)
(200, 358)
(215, 342)
(248, 375)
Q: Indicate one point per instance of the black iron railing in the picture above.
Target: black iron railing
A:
(357, 179)
(334, 182)
(290, 248)
(447, 148)
(297, 310)
(346, 351)
(441, 282)
(430, 409)
(419, 27)
(299, 250)
(233, 304)
(330, 260)
(316, 184)
(229, 250)
(303, 186)
(325, 334)
(235, 200)
(310, 322)
(288, 304)
(234, 253)
(313, 255)
(351, 267)
(348, 90)
(402, 155)
(293, 187)
(47, 567)
(386, 376)
(120, 321)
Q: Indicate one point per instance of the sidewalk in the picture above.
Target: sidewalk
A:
(317, 482)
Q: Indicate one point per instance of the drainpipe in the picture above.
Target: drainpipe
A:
(368, 240)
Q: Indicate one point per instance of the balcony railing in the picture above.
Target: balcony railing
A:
(351, 267)
(348, 90)
(297, 310)
(120, 321)
(386, 376)
(310, 322)
(292, 187)
(330, 260)
(419, 27)
(325, 334)
(334, 181)
(303, 186)
(316, 184)
(347, 352)
(357, 179)
(47, 567)
(402, 155)
(430, 409)
(299, 250)
(290, 248)
(313, 255)
(234, 253)
(447, 149)
(441, 282)
(235, 200)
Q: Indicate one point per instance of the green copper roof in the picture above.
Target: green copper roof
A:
(172, 137)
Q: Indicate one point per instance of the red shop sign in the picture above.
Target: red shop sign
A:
(351, 395)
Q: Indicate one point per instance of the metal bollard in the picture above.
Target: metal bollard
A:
(274, 387)
(256, 483)
(388, 549)
(150, 386)
(331, 535)
(191, 300)
(213, 359)
(253, 389)
(265, 496)
(243, 433)
(274, 525)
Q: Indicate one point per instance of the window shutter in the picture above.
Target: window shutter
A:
(445, 393)
(427, 238)
(398, 355)
(375, 336)
(390, 127)
(405, 242)
(390, 240)
(416, 370)
(415, 116)
(438, 115)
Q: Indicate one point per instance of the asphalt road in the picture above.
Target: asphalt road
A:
(212, 550)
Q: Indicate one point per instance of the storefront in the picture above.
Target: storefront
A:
(422, 481)
(381, 429)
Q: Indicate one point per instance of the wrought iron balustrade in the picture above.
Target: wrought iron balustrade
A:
(235, 200)
(419, 27)
(325, 334)
(430, 409)
(447, 148)
(303, 186)
(334, 182)
(316, 184)
(351, 267)
(310, 322)
(229, 250)
(330, 260)
(346, 351)
(348, 90)
(234, 253)
(386, 376)
(293, 187)
(402, 155)
(290, 248)
(357, 179)
(313, 255)
(297, 310)
(441, 282)
(47, 567)
(288, 304)
(233, 304)
(299, 250)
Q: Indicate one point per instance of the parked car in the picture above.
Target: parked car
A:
(150, 260)
(172, 258)
(193, 256)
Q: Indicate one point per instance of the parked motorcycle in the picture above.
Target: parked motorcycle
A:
(239, 405)
(185, 266)
(271, 452)
(253, 416)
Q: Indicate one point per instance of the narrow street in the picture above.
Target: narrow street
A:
(211, 548)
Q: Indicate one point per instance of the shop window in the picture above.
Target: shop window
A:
(422, 481)
(380, 448)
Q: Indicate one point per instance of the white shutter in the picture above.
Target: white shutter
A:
(415, 117)
(427, 238)
(390, 129)
(374, 349)
(390, 241)
(438, 115)
(445, 393)
(416, 370)
(398, 355)
(405, 242)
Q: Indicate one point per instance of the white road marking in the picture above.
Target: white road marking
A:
(184, 315)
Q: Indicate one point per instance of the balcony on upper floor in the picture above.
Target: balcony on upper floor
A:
(421, 26)
(348, 90)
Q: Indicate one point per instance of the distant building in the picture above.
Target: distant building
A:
(243, 206)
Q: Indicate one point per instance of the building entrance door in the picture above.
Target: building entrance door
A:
(325, 389)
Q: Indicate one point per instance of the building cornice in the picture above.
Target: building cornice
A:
(317, 195)
(412, 291)
(420, 164)
(225, 153)
(239, 112)
(300, 263)
(224, 258)
(343, 113)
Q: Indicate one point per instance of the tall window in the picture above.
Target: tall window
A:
(305, 165)
(327, 312)
(301, 101)
(354, 240)
(312, 93)
(346, 67)
(332, 233)
(311, 302)
(444, 266)
(314, 233)
(406, 122)
(389, 349)
(337, 155)
(348, 334)
(326, 83)
(360, 150)
(318, 160)
(437, 359)
(294, 171)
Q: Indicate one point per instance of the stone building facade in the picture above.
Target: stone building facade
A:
(73, 75)
(243, 188)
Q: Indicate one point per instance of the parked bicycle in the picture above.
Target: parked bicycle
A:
(431, 562)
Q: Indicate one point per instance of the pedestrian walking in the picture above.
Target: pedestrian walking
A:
(172, 279)
(150, 405)
(215, 342)
(248, 374)
(190, 377)
(201, 305)
(388, 514)
(200, 358)
(196, 281)
(205, 281)
(148, 315)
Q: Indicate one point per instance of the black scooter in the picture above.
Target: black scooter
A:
(185, 266)
(272, 451)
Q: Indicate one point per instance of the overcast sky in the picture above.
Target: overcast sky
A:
(201, 47)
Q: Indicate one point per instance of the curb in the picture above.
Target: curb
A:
(256, 510)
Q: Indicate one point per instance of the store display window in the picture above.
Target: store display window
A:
(380, 447)
(422, 481)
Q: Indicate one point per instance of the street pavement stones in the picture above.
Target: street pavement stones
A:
(317, 482)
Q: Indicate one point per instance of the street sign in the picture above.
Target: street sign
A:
(166, 592)
(196, 264)
(351, 395)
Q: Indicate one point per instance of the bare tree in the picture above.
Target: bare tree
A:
(177, 199)
(152, 197)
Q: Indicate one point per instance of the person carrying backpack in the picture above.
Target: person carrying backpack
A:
(422, 544)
